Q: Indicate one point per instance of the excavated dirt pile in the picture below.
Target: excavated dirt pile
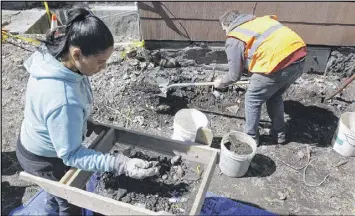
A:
(178, 98)
(172, 190)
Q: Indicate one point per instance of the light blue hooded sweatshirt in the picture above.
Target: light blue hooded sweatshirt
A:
(58, 104)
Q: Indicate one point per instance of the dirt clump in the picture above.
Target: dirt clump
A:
(169, 191)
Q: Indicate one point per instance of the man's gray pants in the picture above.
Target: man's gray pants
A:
(269, 88)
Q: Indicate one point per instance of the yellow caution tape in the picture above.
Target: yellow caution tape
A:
(138, 43)
(5, 35)
(133, 46)
(47, 11)
(198, 168)
(176, 206)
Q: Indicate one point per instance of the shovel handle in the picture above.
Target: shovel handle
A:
(203, 84)
(190, 84)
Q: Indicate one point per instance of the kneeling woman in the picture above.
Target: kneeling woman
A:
(58, 104)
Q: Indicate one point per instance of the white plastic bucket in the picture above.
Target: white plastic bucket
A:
(234, 165)
(344, 137)
(186, 124)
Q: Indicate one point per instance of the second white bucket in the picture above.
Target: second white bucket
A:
(344, 137)
(234, 165)
(186, 124)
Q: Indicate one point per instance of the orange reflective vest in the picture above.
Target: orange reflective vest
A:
(267, 43)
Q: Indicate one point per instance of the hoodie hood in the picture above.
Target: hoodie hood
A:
(241, 19)
(44, 65)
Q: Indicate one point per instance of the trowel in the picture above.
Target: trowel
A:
(164, 86)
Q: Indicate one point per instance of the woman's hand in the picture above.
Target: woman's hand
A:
(139, 169)
(134, 167)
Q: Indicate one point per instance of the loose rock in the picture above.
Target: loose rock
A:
(125, 77)
(150, 66)
(140, 120)
(131, 53)
(233, 109)
(163, 108)
(133, 77)
(216, 94)
(175, 160)
(281, 195)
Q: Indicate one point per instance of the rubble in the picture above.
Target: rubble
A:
(175, 160)
(216, 94)
(139, 119)
(341, 62)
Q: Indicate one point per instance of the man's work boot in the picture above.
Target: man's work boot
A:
(256, 138)
(279, 138)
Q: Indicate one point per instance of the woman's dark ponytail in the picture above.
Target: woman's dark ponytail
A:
(83, 30)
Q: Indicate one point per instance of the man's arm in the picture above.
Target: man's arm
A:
(235, 55)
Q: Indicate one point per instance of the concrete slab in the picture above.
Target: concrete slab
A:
(123, 21)
(26, 21)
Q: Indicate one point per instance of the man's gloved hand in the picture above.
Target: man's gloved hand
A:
(218, 84)
(134, 167)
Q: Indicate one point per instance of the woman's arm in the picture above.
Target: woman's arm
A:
(65, 126)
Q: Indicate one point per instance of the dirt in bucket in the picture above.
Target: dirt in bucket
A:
(238, 147)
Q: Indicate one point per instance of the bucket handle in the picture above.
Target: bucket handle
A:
(347, 136)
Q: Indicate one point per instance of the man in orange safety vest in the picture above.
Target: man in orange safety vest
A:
(274, 54)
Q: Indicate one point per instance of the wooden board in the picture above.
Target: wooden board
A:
(318, 23)
(326, 12)
(84, 199)
(164, 145)
(107, 206)
(201, 193)
(80, 178)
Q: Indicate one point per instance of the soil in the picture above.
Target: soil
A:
(239, 148)
(342, 61)
(127, 90)
(172, 190)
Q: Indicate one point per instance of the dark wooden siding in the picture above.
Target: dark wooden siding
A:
(318, 23)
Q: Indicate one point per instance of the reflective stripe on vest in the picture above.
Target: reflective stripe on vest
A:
(264, 50)
(246, 32)
(260, 38)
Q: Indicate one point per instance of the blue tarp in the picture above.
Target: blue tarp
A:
(218, 205)
(213, 205)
